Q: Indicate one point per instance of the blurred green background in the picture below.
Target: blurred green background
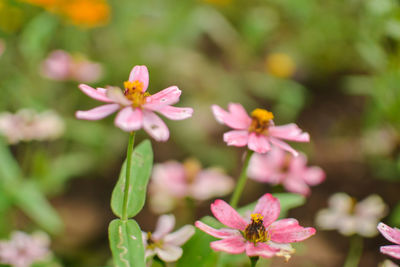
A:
(332, 66)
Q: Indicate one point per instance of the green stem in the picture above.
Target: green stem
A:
(253, 261)
(242, 181)
(160, 261)
(127, 175)
(355, 251)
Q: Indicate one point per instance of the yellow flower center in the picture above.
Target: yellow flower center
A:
(255, 232)
(261, 120)
(192, 167)
(151, 244)
(134, 92)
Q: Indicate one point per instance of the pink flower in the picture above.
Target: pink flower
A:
(257, 132)
(279, 167)
(163, 243)
(136, 106)
(261, 236)
(393, 235)
(62, 66)
(23, 250)
(173, 181)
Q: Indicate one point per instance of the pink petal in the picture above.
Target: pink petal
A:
(296, 185)
(180, 236)
(166, 97)
(154, 126)
(227, 215)
(220, 233)
(141, 74)
(97, 113)
(283, 146)
(393, 251)
(237, 118)
(236, 138)
(129, 119)
(164, 226)
(260, 249)
(288, 231)
(211, 183)
(171, 177)
(289, 132)
(391, 234)
(259, 143)
(174, 113)
(95, 94)
(232, 245)
(169, 253)
(116, 95)
(267, 167)
(269, 207)
(314, 175)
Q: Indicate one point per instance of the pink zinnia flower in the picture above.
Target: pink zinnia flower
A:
(393, 235)
(173, 181)
(257, 132)
(136, 106)
(279, 167)
(23, 250)
(62, 66)
(163, 243)
(261, 236)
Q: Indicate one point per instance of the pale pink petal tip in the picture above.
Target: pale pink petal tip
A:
(141, 74)
(393, 251)
(97, 113)
(129, 119)
(391, 234)
(93, 93)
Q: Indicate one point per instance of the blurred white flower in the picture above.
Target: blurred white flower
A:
(349, 217)
(172, 181)
(28, 125)
(62, 66)
(163, 243)
(22, 250)
(388, 263)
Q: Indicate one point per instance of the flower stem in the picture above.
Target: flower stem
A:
(242, 181)
(355, 251)
(253, 261)
(127, 175)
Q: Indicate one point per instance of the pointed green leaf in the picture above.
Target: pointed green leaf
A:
(142, 163)
(126, 243)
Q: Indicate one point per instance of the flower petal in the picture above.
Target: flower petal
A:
(154, 126)
(95, 94)
(227, 215)
(236, 118)
(232, 245)
(269, 207)
(289, 230)
(393, 251)
(391, 234)
(220, 233)
(169, 253)
(296, 185)
(259, 143)
(175, 113)
(314, 175)
(289, 132)
(283, 146)
(210, 183)
(180, 236)
(129, 119)
(117, 96)
(141, 74)
(97, 113)
(164, 226)
(166, 97)
(236, 138)
(260, 249)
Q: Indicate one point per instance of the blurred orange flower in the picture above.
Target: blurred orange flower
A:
(280, 65)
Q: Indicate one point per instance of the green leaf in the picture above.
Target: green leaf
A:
(142, 163)
(29, 199)
(126, 243)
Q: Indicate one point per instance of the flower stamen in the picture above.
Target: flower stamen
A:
(134, 92)
(261, 120)
(255, 232)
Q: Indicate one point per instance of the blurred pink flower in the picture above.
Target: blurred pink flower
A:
(163, 243)
(279, 167)
(393, 235)
(136, 106)
(257, 132)
(23, 250)
(349, 217)
(261, 236)
(173, 181)
(28, 125)
(62, 66)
